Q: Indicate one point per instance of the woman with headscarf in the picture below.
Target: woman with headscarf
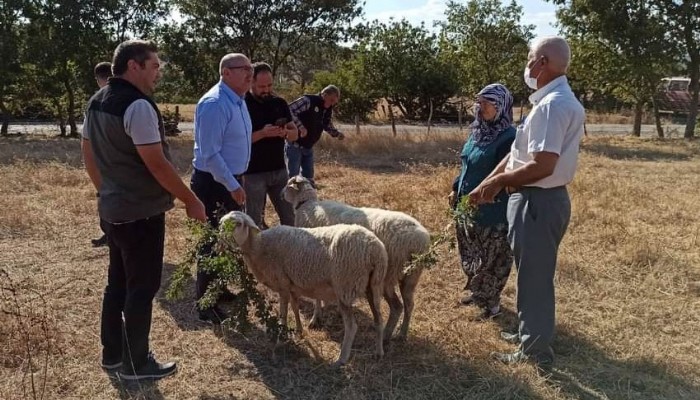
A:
(485, 254)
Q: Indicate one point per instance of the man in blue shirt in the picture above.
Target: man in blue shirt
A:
(222, 142)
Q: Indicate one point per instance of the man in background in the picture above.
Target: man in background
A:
(103, 71)
(312, 114)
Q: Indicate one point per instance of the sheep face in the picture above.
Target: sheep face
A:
(237, 226)
(295, 186)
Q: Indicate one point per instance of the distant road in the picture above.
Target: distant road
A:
(671, 130)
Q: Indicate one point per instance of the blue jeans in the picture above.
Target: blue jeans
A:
(299, 158)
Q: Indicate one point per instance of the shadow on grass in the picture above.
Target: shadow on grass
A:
(300, 368)
(420, 369)
(583, 370)
(183, 310)
(626, 152)
(415, 369)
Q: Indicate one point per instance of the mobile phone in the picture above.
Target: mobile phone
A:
(281, 122)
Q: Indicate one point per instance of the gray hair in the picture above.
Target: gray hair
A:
(331, 90)
(229, 60)
(556, 49)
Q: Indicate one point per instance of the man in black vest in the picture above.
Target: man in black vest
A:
(127, 159)
(272, 124)
(312, 114)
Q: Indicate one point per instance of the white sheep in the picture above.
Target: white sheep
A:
(402, 235)
(338, 263)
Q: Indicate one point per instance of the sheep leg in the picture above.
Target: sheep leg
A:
(408, 288)
(395, 308)
(349, 336)
(316, 318)
(284, 301)
(297, 319)
(372, 306)
(374, 295)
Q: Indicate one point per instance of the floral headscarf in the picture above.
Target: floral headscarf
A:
(485, 132)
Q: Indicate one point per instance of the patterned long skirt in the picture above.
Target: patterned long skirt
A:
(486, 260)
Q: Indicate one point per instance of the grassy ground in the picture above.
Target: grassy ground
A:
(627, 302)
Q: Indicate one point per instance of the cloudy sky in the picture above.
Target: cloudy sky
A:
(536, 12)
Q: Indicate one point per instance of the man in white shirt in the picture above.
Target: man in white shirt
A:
(541, 163)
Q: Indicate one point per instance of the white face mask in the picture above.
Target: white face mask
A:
(530, 81)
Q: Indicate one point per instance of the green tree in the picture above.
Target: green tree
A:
(64, 34)
(403, 63)
(622, 47)
(301, 66)
(486, 40)
(683, 22)
(357, 98)
(271, 31)
(12, 40)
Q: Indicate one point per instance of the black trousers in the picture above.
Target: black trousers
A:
(133, 278)
(217, 202)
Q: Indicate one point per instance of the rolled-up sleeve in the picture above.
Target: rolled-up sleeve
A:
(210, 136)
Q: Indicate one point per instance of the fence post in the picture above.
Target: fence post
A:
(459, 116)
(430, 116)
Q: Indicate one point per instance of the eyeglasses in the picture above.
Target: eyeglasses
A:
(246, 68)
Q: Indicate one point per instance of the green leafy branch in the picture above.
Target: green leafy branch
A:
(226, 263)
(462, 214)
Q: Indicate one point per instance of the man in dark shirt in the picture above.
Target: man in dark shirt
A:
(312, 114)
(272, 124)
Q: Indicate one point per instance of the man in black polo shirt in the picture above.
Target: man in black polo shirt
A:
(312, 114)
(272, 124)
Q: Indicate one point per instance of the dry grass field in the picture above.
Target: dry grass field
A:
(187, 115)
(628, 307)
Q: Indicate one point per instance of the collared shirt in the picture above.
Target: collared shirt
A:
(222, 135)
(554, 125)
(302, 104)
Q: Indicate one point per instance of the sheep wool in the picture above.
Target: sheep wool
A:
(402, 235)
(336, 263)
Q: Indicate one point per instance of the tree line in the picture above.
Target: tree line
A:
(621, 50)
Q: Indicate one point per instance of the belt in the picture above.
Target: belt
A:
(238, 177)
(516, 189)
(512, 189)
